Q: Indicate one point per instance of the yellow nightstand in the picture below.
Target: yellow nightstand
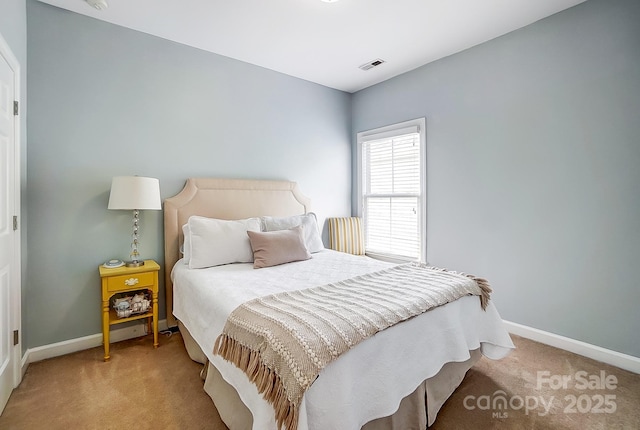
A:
(123, 280)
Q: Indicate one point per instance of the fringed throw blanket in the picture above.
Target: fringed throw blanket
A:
(282, 341)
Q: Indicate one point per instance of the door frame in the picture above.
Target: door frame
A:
(15, 293)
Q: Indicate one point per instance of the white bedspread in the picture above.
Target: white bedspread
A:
(368, 381)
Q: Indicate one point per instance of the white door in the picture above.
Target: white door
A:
(9, 236)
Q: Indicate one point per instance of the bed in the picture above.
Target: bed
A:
(411, 367)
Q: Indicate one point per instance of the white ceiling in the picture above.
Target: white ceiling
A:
(326, 42)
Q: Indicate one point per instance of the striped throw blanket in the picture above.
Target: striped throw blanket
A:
(284, 340)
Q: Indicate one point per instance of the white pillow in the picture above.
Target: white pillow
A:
(215, 241)
(185, 249)
(308, 222)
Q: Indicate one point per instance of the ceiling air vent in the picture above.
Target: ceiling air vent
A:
(371, 64)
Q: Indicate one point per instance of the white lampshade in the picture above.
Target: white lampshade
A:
(134, 192)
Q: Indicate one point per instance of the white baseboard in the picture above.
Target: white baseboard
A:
(614, 358)
(73, 345)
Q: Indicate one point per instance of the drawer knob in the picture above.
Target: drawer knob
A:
(131, 281)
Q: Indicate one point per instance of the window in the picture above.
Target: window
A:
(391, 190)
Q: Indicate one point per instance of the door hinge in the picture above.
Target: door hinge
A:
(15, 222)
(15, 107)
(16, 337)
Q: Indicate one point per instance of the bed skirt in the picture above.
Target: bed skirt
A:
(418, 410)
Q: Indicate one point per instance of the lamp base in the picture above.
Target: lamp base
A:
(134, 263)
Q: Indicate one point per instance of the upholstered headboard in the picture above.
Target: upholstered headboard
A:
(223, 199)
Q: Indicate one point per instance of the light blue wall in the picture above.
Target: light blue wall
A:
(13, 28)
(107, 101)
(533, 168)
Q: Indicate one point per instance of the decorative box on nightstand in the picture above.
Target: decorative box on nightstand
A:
(128, 280)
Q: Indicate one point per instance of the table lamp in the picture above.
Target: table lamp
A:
(135, 193)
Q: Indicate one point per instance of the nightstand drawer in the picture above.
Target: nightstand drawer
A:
(126, 282)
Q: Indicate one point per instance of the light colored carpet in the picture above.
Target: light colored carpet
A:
(142, 388)
(139, 388)
(571, 405)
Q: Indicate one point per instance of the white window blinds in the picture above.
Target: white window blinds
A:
(392, 193)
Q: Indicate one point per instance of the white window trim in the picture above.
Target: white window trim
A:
(385, 132)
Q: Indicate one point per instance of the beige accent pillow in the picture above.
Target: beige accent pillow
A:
(271, 248)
